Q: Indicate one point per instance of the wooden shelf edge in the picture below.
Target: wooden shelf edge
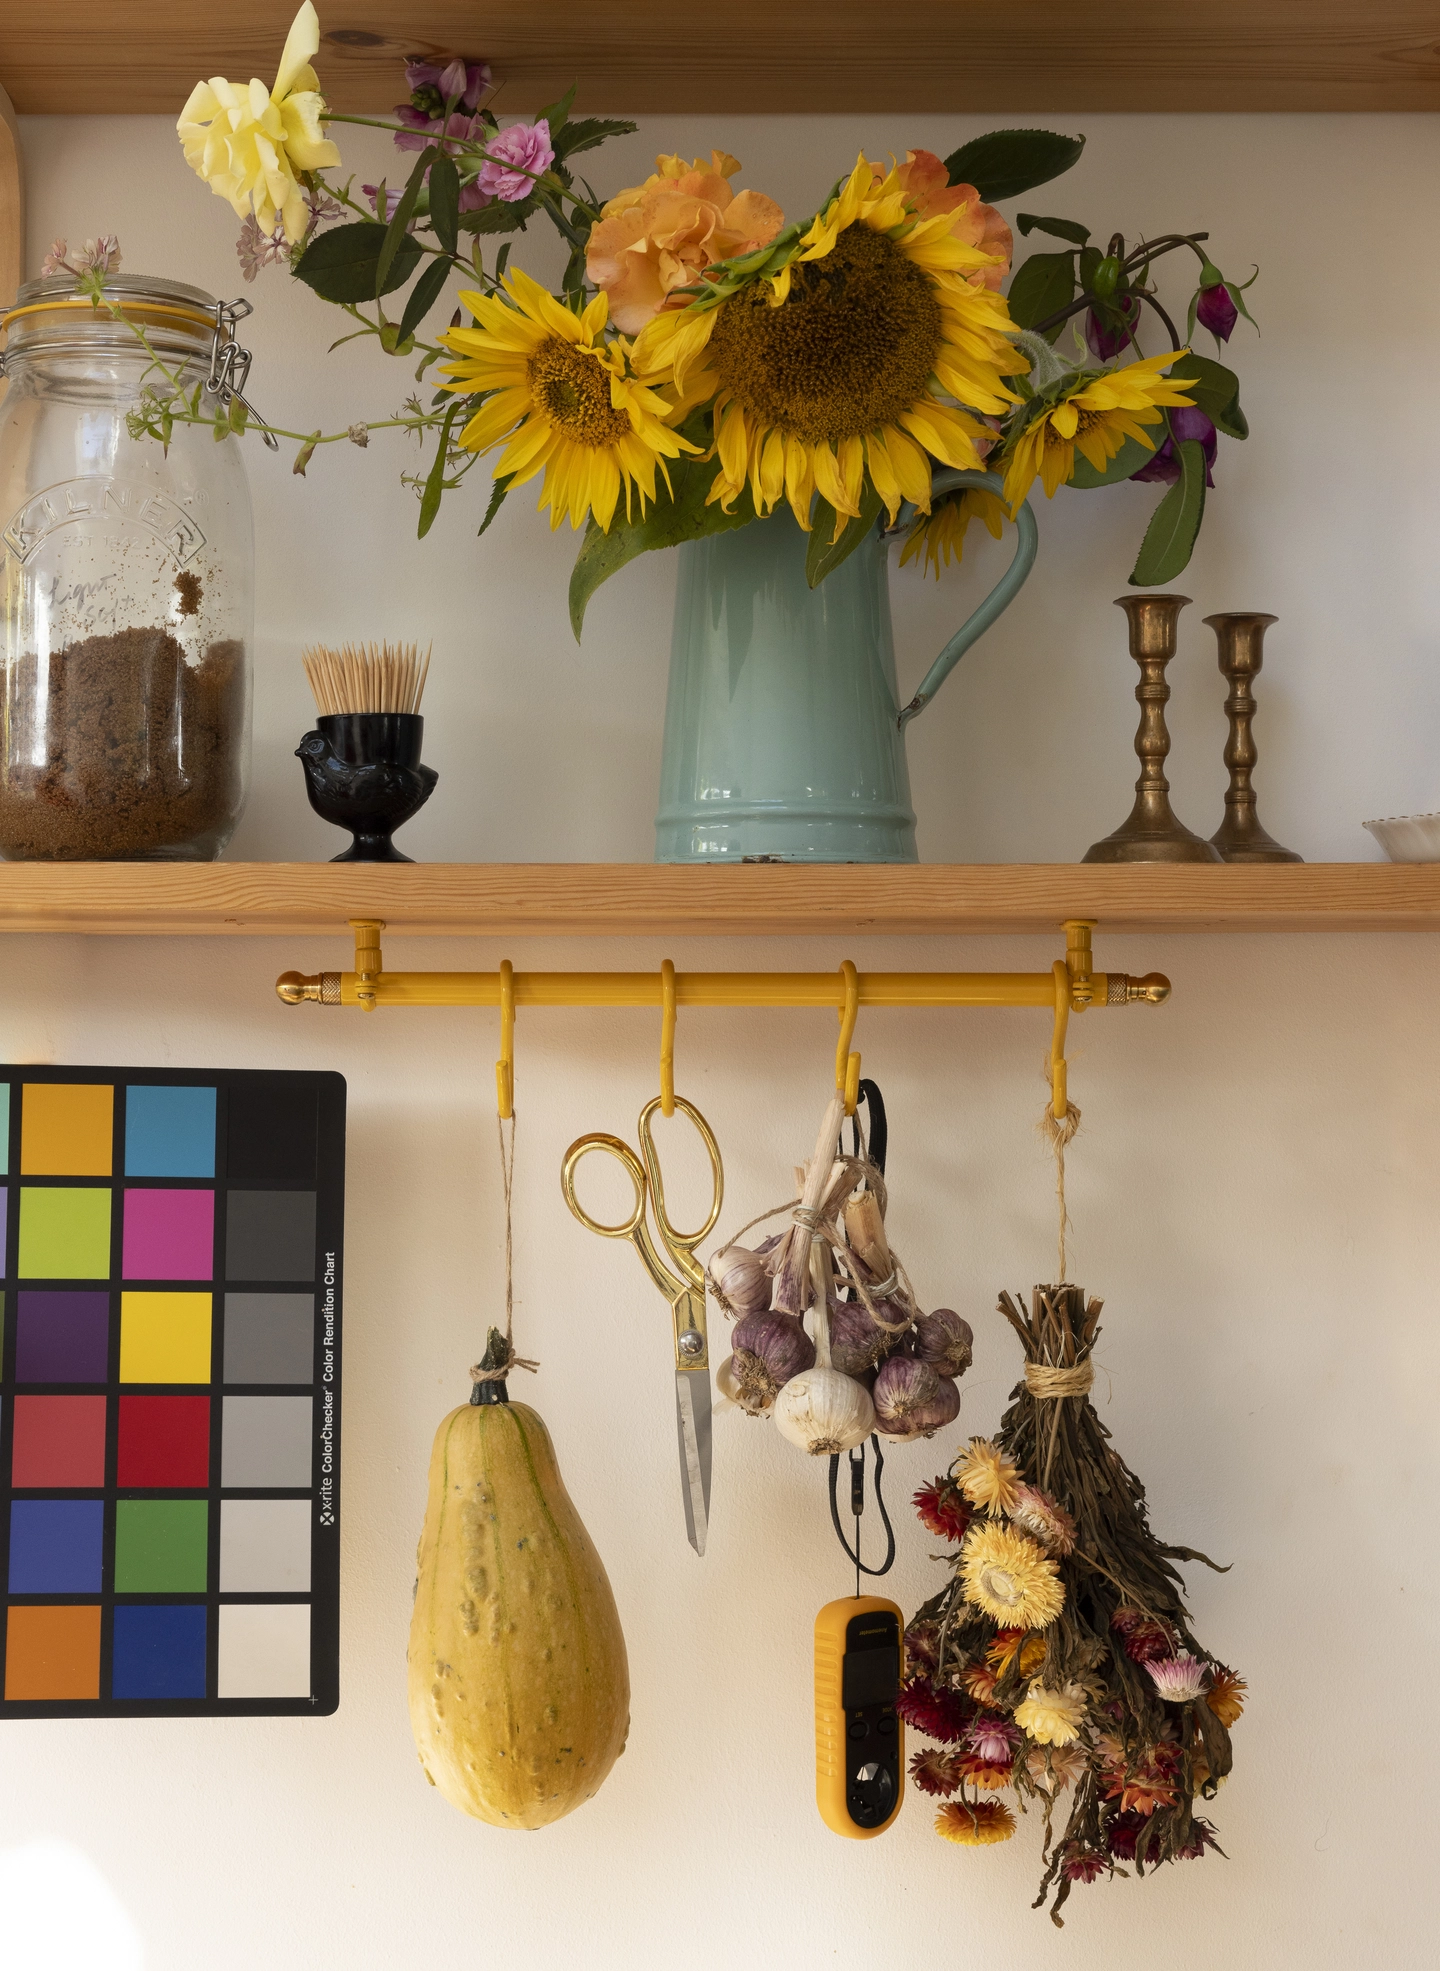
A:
(648, 900)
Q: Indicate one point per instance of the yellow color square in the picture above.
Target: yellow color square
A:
(66, 1129)
(165, 1337)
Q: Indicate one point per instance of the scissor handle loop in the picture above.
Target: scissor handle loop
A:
(678, 1241)
(614, 1147)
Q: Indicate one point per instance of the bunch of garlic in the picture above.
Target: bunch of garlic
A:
(870, 1359)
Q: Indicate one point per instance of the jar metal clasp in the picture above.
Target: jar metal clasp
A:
(230, 364)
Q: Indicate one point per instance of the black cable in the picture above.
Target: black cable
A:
(857, 1492)
(878, 1133)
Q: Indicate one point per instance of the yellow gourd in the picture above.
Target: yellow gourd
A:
(519, 1685)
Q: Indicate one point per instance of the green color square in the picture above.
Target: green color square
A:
(64, 1233)
(162, 1546)
(4, 1129)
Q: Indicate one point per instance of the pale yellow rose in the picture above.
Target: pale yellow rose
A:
(662, 235)
(248, 142)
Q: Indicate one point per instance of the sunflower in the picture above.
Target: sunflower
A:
(941, 535)
(1009, 1578)
(829, 359)
(975, 1824)
(987, 1477)
(1052, 1717)
(1094, 417)
(563, 399)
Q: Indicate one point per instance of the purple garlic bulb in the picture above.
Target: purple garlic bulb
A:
(739, 1280)
(769, 1350)
(856, 1344)
(944, 1339)
(912, 1399)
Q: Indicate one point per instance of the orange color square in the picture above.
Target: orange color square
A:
(66, 1129)
(52, 1654)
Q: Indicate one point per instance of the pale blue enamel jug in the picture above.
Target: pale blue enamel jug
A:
(784, 735)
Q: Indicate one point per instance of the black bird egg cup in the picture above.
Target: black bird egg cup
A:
(363, 772)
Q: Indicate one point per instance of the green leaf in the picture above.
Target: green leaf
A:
(445, 203)
(435, 483)
(821, 558)
(1170, 538)
(588, 131)
(1129, 459)
(1042, 287)
(500, 486)
(1060, 229)
(422, 297)
(305, 454)
(340, 265)
(1216, 391)
(686, 517)
(1004, 163)
(399, 225)
(501, 217)
(558, 114)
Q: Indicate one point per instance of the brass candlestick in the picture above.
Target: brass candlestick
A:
(1240, 838)
(1152, 833)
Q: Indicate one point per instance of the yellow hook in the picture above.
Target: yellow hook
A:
(667, 1038)
(505, 1066)
(847, 1065)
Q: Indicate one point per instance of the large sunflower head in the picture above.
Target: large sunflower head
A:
(565, 402)
(1094, 415)
(855, 350)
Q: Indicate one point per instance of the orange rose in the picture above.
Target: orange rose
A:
(662, 235)
(923, 177)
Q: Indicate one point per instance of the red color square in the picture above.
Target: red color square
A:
(169, 1235)
(59, 1441)
(164, 1441)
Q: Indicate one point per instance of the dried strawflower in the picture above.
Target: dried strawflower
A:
(1008, 1643)
(938, 1712)
(1179, 1679)
(1122, 1834)
(992, 1738)
(1055, 1766)
(1084, 1865)
(988, 1774)
(1009, 1578)
(980, 1680)
(922, 1647)
(1202, 1836)
(1037, 1514)
(987, 1477)
(1147, 1784)
(935, 1772)
(975, 1824)
(1225, 1695)
(1145, 1638)
(940, 1509)
(1052, 1717)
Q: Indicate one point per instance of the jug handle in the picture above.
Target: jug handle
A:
(999, 598)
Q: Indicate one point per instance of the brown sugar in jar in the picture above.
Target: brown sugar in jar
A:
(136, 753)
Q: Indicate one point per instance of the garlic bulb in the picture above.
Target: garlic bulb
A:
(912, 1399)
(769, 1350)
(727, 1382)
(945, 1340)
(739, 1280)
(856, 1344)
(824, 1412)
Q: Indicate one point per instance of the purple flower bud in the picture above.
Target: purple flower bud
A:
(526, 145)
(392, 199)
(1186, 423)
(418, 134)
(1216, 311)
(1107, 342)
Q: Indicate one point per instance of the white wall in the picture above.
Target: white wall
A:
(1251, 1193)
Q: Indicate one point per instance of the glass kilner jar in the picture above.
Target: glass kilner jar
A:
(126, 581)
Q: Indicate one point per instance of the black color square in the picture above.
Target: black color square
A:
(273, 1129)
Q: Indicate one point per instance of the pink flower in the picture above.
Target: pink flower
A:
(524, 146)
(992, 1738)
(103, 253)
(1178, 1678)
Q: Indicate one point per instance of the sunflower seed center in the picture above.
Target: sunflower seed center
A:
(573, 389)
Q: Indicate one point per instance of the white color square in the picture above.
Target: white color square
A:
(265, 1649)
(265, 1546)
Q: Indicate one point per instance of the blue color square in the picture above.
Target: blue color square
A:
(56, 1546)
(159, 1651)
(169, 1132)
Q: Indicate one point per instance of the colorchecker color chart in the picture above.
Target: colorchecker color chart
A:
(170, 1400)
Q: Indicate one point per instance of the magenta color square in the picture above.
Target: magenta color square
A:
(169, 1235)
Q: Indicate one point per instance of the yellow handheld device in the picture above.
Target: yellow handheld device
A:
(859, 1737)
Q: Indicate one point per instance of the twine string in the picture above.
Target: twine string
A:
(1060, 1135)
(1049, 1383)
(507, 1178)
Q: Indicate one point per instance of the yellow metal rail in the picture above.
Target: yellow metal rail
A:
(1072, 985)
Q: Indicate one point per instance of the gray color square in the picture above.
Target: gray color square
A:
(265, 1546)
(269, 1337)
(265, 1441)
(270, 1235)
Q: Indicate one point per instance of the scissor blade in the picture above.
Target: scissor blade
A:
(692, 1426)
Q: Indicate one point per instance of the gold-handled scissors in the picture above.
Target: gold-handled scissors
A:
(684, 1288)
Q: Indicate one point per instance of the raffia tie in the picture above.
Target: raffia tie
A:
(1049, 1383)
(507, 1177)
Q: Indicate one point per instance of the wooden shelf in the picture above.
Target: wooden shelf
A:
(803, 56)
(582, 899)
